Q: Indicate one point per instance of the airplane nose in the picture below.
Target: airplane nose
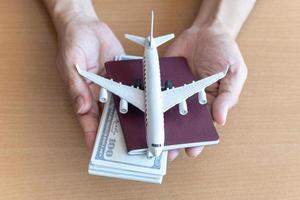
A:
(157, 151)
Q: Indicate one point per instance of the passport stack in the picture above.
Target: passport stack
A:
(194, 129)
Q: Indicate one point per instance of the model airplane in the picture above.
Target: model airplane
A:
(152, 100)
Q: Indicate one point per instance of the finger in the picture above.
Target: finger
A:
(89, 123)
(172, 154)
(194, 151)
(173, 51)
(210, 99)
(229, 92)
(78, 89)
(221, 107)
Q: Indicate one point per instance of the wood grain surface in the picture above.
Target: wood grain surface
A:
(42, 151)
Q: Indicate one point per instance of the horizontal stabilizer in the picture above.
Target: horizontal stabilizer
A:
(137, 39)
(163, 39)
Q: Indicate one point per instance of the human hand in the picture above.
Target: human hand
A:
(210, 50)
(88, 43)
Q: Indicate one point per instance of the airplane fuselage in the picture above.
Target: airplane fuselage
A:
(154, 117)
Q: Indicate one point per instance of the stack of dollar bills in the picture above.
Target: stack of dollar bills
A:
(110, 157)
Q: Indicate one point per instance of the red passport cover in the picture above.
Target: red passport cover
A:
(194, 129)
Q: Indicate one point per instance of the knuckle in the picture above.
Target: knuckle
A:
(235, 100)
(71, 83)
(244, 71)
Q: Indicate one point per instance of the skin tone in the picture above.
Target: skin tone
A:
(209, 46)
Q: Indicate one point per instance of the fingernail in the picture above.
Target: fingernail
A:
(79, 104)
(171, 158)
(225, 115)
(172, 155)
(195, 154)
(224, 122)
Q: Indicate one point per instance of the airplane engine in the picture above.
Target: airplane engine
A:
(202, 97)
(183, 110)
(103, 95)
(123, 106)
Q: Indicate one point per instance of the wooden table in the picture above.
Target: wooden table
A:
(42, 151)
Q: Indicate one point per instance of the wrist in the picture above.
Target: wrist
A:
(215, 26)
(223, 15)
(72, 19)
(64, 12)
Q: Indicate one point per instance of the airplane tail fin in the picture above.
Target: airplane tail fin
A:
(141, 40)
(156, 41)
(161, 39)
(151, 27)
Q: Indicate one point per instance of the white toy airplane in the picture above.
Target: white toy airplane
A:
(152, 100)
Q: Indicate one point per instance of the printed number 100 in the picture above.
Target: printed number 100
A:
(110, 147)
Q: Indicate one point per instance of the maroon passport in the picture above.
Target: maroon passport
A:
(194, 129)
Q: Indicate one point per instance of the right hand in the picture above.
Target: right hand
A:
(88, 43)
(209, 50)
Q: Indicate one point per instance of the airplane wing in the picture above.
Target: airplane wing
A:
(133, 95)
(174, 96)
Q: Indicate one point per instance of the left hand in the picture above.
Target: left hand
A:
(89, 43)
(210, 50)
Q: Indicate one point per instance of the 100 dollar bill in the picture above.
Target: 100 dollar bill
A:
(110, 157)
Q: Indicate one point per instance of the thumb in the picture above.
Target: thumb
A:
(79, 91)
(229, 91)
(221, 106)
(173, 50)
